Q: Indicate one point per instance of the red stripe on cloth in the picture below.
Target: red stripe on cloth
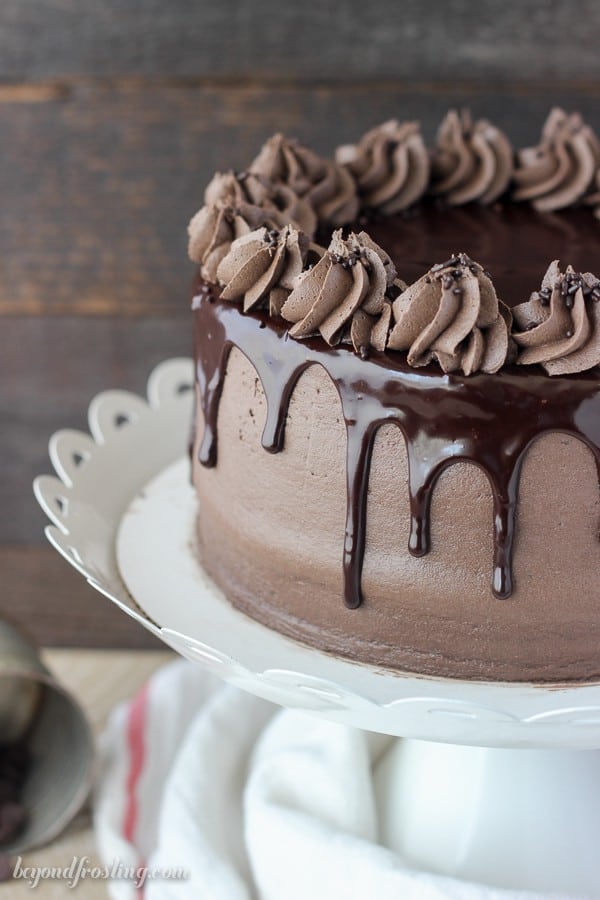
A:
(136, 745)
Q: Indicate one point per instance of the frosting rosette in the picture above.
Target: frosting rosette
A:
(262, 266)
(559, 326)
(326, 186)
(452, 315)
(343, 296)
(212, 231)
(390, 164)
(560, 170)
(471, 161)
(281, 204)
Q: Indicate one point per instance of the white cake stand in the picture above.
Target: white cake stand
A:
(476, 804)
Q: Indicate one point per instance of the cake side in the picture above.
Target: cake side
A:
(279, 559)
(406, 472)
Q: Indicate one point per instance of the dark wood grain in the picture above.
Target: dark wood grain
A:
(98, 184)
(50, 368)
(57, 607)
(428, 39)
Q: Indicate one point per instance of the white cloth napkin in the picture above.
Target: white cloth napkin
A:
(253, 801)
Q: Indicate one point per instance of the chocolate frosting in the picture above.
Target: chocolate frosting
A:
(560, 170)
(489, 420)
(263, 265)
(390, 164)
(327, 186)
(470, 161)
(343, 297)
(452, 315)
(214, 228)
(560, 323)
(281, 204)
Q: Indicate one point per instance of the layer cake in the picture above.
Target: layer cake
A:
(397, 427)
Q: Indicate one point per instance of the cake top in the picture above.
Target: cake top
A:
(256, 237)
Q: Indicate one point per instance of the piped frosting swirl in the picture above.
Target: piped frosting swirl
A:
(214, 228)
(262, 266)
(253, 237)
(471, 161)
(560, 324)
(390, 164)
(325, 185)
(559, 171)
(281, 204)
(452, 315)
(343, 297)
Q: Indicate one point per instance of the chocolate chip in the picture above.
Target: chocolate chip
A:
(12, 820)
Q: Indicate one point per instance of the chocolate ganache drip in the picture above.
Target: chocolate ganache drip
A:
(445, 419)
(253, 236)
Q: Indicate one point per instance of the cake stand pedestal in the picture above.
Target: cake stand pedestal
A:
(504, 796)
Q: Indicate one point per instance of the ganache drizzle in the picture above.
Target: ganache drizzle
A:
(488, 420)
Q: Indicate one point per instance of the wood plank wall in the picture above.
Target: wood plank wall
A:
(114, 115)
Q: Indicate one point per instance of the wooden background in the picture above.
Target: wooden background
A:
(114, 115)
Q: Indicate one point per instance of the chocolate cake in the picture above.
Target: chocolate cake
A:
(397, 431)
